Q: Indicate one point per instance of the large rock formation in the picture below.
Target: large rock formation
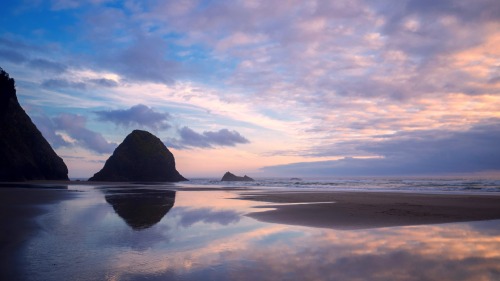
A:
(231, 177)
(24, 153)
(140, 157)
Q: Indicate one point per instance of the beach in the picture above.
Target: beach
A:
(360, 210)
(229, 233)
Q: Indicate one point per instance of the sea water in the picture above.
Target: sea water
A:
(206, 235)
(414, 184)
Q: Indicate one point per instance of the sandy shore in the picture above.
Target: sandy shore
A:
(18, 209)
(20, 206)
(362, 210)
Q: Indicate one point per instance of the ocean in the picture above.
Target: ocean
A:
(410, 184)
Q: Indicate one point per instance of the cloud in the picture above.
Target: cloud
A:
(19, 52)
(74, 125)
(48, 130)
(312, 53)
(326, 75)
(144, 60)
(103, 82)
(66, 130)
(190, 138)
(64, 4)
(47, 65)
(207, 139)
(137, 115)
(321, 51)
(224, 137)
(19, 45)
(58, 5)
(79, 83)
(413, 153)
(482, 11)
(62, 83)
(12, 56)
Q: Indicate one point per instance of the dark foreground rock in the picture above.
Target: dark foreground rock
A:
(231, 177)
(24, 153)
(140, 157)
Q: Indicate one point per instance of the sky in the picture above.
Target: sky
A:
(264, 88)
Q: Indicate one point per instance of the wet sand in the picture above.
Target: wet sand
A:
(363, 210)
(20, 206)
(18, 209)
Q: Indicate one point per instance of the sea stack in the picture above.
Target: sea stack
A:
(140, 157)
(24, 153)
(231, 177)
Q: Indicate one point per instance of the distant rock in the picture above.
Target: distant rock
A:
(24, 153)
(231, 177)
(140, 157)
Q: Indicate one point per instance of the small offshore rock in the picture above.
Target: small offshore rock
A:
(231, 177)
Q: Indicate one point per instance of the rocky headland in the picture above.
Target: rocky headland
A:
(24, 153)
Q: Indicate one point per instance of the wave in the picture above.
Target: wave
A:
(375, 184)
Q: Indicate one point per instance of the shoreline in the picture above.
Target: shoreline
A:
(365, 210)
(219, 185)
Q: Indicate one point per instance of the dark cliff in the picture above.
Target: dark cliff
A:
(24, 153)
(140, 157)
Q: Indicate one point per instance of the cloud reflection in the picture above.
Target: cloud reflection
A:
(190, 216)
(453, 252)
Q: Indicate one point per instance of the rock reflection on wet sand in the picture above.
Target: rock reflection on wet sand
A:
(140, 208)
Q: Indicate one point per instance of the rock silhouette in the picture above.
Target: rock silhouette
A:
(140, 157)
(231, 177)
(140, 208)
(24, 153)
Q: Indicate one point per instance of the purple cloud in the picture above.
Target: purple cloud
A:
(208, 139)
(48, 130)
(58, 5)
(20, 52)
(75, 127)
(12, 56)
(82, 84)
(103, 82)
(47, 65)
(192, 138)
(412, 153)
(137, 115)
(346, 68)
(224, 137)
(59, 83)
(354, 45)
